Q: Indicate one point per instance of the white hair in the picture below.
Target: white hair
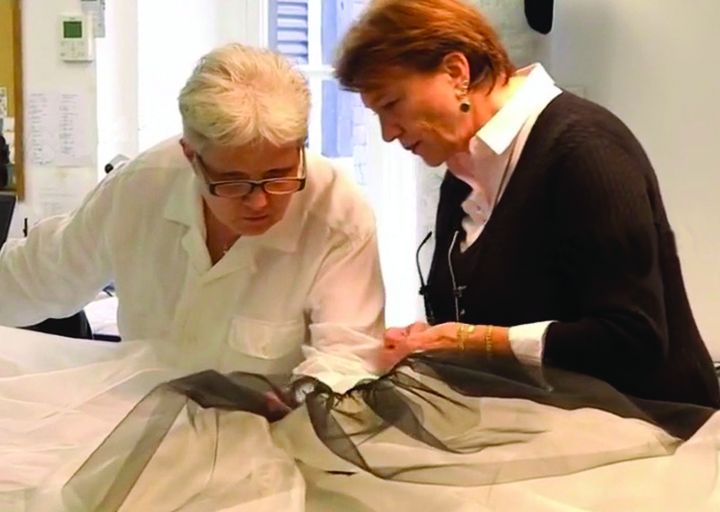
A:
(239, 95)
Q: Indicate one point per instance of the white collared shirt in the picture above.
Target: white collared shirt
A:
(488, 166)
(295, 297)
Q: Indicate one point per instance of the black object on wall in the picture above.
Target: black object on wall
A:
(539, 14)
(7, 207)
(4, 162)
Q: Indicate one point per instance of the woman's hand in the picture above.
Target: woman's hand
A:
(396, 346)
(435, 337)
(402, 341)
(491, 339)
(398, 335)
(277, 408)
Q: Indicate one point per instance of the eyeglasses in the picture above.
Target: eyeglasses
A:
(424, 291)
(242, 188)
(457, 290)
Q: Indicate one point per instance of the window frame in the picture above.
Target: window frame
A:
(316, 73)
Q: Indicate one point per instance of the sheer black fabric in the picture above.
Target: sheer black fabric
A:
(449, 412)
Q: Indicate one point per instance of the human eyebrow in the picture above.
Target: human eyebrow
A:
(229, 176)
(375, 100)
(280, 172)
(390, 104)
(388, 96)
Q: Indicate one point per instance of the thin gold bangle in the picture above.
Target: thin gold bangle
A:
(488, 340)
(463, 333)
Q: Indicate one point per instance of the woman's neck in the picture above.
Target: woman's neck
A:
(218, 237)
(486, 102)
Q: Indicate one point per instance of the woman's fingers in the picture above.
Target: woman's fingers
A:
(395, 336)
(401, 341)
(417, 327)
(437, 336)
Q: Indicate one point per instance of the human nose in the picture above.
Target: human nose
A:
(390, 129)
(257, 198)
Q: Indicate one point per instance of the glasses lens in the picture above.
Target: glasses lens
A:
(233, 189)
(282, 186)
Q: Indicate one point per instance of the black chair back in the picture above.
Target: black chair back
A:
(7, 207)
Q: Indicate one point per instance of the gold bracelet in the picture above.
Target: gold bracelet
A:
(488, 340)
(463, 333)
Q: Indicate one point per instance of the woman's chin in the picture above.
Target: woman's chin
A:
(433, 160)
(429, 155)
(254, 227)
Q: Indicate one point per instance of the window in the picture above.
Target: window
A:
(288, 31)
(307, 32)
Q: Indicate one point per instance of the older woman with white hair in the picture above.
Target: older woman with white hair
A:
(231, 244)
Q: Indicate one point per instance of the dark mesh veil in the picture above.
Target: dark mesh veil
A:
(442, 418)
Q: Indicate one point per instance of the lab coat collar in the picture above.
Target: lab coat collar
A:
(184, 206)
(184, 202)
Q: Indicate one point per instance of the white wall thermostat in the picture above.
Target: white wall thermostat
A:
(77, 43)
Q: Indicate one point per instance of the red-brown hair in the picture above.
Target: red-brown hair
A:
(416, 35)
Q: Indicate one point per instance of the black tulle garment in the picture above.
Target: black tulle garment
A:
(458, 419)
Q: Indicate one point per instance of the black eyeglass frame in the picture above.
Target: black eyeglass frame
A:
(212, 186)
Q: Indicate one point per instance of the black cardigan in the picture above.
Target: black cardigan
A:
(581, 237)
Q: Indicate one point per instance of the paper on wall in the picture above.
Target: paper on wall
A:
(62, 190)
(96, 8)
(42, 121)
(58, 130)
(74, 148)
(7, 128)
(4, 111)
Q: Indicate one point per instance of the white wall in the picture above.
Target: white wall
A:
(391, 187)
(149, 51)
(172, 36)
(117, 82)
(655, 64)
(45, 72)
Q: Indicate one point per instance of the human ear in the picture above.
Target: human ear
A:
(187, 150)
(457, 68)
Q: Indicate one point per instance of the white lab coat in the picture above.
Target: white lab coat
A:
(272, 302)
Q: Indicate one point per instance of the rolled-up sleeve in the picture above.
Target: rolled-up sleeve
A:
(347, 304)
(59, 267)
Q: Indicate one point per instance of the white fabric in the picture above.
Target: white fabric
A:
(59, 398)
(54, 413)
(494, 152)
(143, 229)
(102, 315)
(528, 342)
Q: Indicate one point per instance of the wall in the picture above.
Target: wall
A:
(6, 52)
(654, 63)
(117, 82)
(8, 78)
(43, 72)
(131, 89)
(172, 36)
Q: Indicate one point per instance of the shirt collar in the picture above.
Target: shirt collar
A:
(184, 203)
(499, 132)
